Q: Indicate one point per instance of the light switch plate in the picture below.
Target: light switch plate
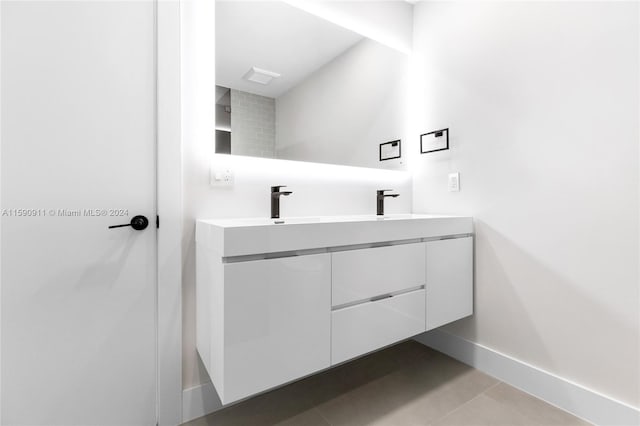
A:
(454, 182)
(223, 176)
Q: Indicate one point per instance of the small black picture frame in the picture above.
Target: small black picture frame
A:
(394, 147)
(427, 143)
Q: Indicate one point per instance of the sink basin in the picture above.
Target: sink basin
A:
(262, 236)
(260, 221)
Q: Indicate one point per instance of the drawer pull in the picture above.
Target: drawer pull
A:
(384, 296)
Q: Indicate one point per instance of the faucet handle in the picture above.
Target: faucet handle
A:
(382, 191)
(276, 188)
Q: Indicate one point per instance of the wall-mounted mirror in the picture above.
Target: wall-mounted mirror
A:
(291, 85)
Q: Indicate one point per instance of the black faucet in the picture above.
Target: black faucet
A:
(380, 200)
(275, 200)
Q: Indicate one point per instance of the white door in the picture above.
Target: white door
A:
(78, 155)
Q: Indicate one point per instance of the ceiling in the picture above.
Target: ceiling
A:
(273, 36)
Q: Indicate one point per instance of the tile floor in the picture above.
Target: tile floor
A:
(405, 385)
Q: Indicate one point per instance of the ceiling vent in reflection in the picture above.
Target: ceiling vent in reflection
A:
(258, 75)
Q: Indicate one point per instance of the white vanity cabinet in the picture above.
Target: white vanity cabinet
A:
(277, 302)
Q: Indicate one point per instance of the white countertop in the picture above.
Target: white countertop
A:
(250, 236)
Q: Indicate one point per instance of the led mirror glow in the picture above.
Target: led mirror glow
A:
(338, 95)
(274, 170)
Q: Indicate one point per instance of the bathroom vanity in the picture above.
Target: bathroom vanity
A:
(278, 300)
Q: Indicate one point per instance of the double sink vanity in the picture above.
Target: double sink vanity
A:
(280, 299)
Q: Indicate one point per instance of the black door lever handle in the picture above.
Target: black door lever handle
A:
(137, 222)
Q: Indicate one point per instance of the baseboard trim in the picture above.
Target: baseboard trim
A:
(199, 401)
(572, 397)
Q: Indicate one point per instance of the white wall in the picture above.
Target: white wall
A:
(346, 109)
(542, 102)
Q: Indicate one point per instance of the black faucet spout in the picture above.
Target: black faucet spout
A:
(275, 200)
(380, 196)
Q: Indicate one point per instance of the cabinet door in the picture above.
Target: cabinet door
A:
(277, 322)
(449, 280)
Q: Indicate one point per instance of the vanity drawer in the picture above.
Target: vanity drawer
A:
(358, 329)
(358, 275)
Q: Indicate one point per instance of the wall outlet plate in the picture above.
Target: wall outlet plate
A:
(222, 177)
(454, 182)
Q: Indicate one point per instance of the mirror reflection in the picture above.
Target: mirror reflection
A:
(291, 85)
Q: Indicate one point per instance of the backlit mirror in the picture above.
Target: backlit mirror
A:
(291, 85)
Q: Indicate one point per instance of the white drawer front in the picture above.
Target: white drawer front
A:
(359, 329)
(361, 274)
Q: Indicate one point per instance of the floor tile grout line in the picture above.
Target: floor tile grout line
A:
(465, 403)
(322, 416)
(489, 388)
(514, 408)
